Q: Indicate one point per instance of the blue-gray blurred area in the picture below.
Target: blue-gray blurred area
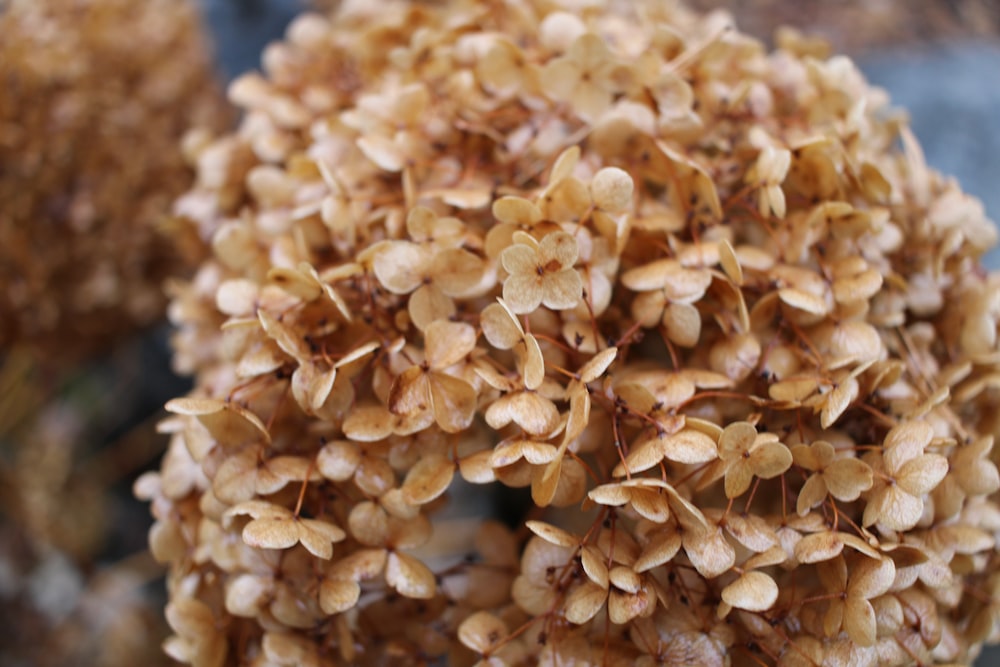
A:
(242, 28)
(952, 93)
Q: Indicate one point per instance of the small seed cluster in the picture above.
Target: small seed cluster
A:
(705, 304)
(96, 97)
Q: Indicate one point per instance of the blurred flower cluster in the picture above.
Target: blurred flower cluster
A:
(706, 306)
(97, 95)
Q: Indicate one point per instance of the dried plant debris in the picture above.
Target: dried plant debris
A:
(97, 95)
(706, 304)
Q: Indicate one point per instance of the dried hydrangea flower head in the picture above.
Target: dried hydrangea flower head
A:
(97, 95)
(705, 305)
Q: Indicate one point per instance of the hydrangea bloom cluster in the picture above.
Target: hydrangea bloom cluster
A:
(704, 304)
(96, 97)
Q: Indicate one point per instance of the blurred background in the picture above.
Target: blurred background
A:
(76, 585)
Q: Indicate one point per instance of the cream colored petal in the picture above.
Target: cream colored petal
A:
(453, 402)
(409, 576)
(401, 266)
(516, 210)
(753, 591)
(428, 479)
(560, 248)
(427, 304)
(922, 474)
(583, 603)
(523, 293)
(738, 478)
(846, 478)
(338, 595)
(813, 492)
(894, 508)
(446, 343)
(562, 290)
(859, 621)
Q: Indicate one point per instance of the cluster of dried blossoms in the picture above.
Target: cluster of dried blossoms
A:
(706, 305)
(96, 96)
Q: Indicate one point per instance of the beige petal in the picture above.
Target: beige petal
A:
(545, 483)
(369, 524)
(453, 402)
(427, 304)
(338, 460)
(813, 492)
(838, 400)
(770, 459)
(368, 423)
(458, 272)
(753, 591)
(553, 534)
(401, 266)
(476, 468)
(613, 495)
(410, 392)
(500, 327)
(651, 504)
(383, 151)
(906, 441)
(409, 576)
(583, 603)
(752, 531)
(482, 631)
(597, 365)
(428, 479)
(317, 536)
(643, 456)
(534, 414)
(229, 424)
(709, 552)
(847, 478)
(739, 475)
(247, 593)
(730, 262)
(447, 343)
(662, 548)
(683, 324)
(819, 547)
(590, 99)
(272, 533)
(802, 300)
(689, 446)
(736, 439)
(520, 259)
(650, 276)
(859, 621)
(624, 607)
(611, 189)
(338, 595)
(524, 292)
(534, 364)
(894, 508)
(562, 290)
(922, 474)
(516, 210)
(359, 565)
